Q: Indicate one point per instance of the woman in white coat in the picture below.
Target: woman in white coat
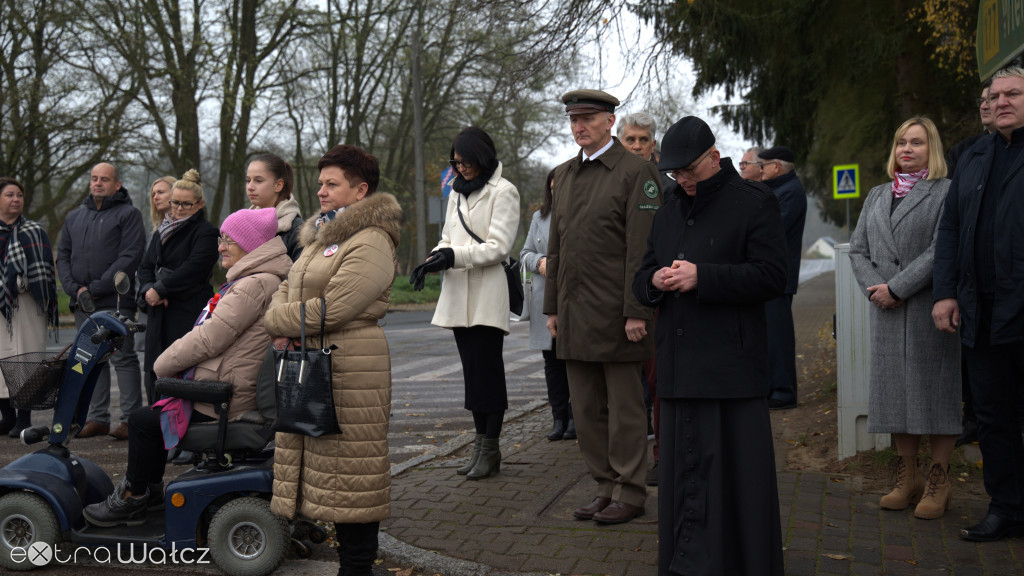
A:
(915, 369)
(534, 257)
(474, 294)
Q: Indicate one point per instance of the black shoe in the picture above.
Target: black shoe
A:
(24, 421)
(969, 435)
(777, 404)
(570, 430)
(557, 430)
(992, 528)
(116, 510)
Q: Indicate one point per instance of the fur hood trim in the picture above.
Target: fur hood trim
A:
(379, 209)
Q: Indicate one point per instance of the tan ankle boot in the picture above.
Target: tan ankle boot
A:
(908, 485)
(938, 494)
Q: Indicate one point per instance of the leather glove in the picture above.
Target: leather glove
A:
(85, 302)
(442, 259)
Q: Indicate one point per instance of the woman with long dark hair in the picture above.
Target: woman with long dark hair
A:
(534, 257)
(268, 184)
(480, 226)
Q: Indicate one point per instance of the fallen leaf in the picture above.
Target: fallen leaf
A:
(838, 556)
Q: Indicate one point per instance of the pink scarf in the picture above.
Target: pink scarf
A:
(904, 182)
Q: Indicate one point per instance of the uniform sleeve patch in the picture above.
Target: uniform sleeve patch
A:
(648, 207)
(650, 189)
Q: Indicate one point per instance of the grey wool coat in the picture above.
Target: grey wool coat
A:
(915, 368)
(534, 250)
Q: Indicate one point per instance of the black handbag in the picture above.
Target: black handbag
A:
(305, 398)
(512, 274)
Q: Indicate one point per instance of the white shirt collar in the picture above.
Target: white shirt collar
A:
(599, 152)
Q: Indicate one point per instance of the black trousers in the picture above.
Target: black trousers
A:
(997, 378)
(558, 385)
(778, 314)
(146, 455)
(483, 367)
(357, 547)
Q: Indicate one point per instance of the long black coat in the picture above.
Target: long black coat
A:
(793, 206)
(712, 342)
(180, 271)
(953, 272)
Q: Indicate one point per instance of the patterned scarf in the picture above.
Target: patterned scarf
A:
(169, 226)
(326, 217)
(25, 252)
(904, 182)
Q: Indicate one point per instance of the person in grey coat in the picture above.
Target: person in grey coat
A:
(534, 258)
(915, 369)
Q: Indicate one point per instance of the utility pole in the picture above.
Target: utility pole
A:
(418, 145)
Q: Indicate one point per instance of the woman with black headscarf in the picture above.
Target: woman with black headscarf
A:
(480, 227)
(28, 300)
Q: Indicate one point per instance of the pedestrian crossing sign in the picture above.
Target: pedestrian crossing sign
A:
(845, 181)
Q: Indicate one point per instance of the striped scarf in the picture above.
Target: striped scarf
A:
(25, 253)
(904, 182)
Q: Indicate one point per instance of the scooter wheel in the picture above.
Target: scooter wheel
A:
(247, 539)
(317, 534)
(27, 520)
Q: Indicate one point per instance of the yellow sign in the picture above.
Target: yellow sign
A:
(846, 181)
(78, 368)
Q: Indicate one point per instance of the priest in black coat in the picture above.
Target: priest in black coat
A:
(716, 253)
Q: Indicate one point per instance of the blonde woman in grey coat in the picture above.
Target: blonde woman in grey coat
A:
(534, 258)
(915, 369)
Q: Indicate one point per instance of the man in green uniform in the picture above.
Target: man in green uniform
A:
(603, 207)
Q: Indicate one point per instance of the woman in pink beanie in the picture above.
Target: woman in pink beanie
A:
(227, 344)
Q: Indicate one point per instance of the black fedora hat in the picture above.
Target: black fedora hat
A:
(684, 142)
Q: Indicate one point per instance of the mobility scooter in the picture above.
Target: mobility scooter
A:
(218, 510)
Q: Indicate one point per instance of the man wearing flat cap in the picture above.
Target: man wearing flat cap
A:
(778, 174)
(604, 203)
(716, 253)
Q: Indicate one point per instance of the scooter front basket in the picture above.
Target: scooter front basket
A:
(34, 378)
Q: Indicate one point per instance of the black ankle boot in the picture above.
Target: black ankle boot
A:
(489, 462)
(557, 430)
(8, 416)
(23, 421)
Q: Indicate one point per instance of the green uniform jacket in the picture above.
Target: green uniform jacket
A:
(600, 218)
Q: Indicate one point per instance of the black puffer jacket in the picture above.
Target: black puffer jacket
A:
(95, 243)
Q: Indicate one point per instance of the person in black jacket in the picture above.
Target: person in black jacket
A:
(101, 237)
(715, 254)
(977, 279)
(174, 277)
(777, 173)
(268, 184)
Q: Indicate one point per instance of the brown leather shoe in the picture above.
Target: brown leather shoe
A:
(121, 432)
(587, 512)
(93, 428)
(618, 513)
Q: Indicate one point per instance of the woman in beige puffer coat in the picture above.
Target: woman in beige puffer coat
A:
(348, 262)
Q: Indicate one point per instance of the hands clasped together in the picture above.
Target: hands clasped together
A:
(680, 277)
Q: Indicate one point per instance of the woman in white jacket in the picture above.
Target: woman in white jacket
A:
(474, 294)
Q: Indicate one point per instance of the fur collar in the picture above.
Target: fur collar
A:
(379, 209)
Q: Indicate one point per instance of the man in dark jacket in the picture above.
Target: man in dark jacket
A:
(101, 237)
(716, 253)
(977, 290)
(777, 172)
(605, 199)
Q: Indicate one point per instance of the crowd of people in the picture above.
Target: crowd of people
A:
(662, 291)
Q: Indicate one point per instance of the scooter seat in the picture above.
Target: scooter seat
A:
(241, 437)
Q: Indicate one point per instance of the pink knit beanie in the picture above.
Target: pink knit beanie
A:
(250, 229)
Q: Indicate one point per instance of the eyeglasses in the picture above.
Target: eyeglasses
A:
(744, 164)
(459, 164)
(182, 205)
(224, 240)
(690, 170)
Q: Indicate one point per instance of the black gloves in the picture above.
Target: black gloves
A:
(442, 259)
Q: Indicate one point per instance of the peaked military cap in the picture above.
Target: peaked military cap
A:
(588, 102)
